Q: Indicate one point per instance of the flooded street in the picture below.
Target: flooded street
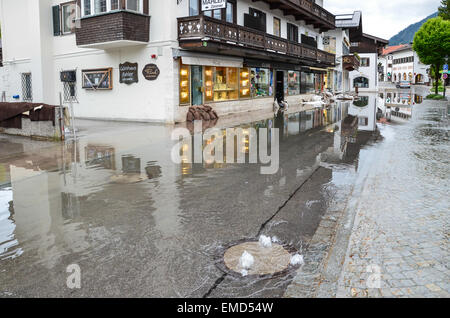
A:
(140, 225)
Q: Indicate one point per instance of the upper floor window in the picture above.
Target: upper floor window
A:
(91, 7)
(64, 16)
(292, 32)
(365, 62)
(227, 14)
(276, 27)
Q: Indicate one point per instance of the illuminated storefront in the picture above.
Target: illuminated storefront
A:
(209, 84)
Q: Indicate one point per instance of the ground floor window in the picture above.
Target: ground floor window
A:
(293, 83)
(70, 92)
(261, 82)
(27, 89)
(308, 83)
(205, 84)
(361, 82)
(226, 84)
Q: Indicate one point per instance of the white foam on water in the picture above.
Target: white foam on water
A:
(297, 260)
(246, 261)
(265, 241)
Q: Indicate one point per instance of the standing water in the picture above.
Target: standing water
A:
(139, 225)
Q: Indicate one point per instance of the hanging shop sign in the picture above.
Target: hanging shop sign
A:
(213, 4)
(151, 72)
(99, 79)
(128, 73)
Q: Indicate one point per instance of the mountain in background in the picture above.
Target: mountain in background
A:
(407, 35)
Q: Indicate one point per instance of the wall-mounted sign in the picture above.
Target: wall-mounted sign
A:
(213, 4)
(151, 72)
(128, 73)
(68, 76)
(97, 79)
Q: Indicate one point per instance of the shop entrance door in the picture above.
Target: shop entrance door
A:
(279, 88)
(197, 85)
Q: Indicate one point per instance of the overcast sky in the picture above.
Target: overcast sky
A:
(385, 18)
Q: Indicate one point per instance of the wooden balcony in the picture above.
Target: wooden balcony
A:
(350, 62)
(200, 32)
(113, 29)
(306, 10)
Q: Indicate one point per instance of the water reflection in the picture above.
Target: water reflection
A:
(115, 201)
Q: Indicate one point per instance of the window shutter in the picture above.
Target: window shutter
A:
(145, 7)
(56, 21)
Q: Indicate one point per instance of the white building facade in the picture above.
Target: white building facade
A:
(368, 49)
(149, 60)
(401, 63)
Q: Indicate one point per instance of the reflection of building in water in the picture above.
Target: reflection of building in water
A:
(349, 137)
(365, 110)
(54, 188)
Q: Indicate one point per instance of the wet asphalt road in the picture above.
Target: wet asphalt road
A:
(161, 237)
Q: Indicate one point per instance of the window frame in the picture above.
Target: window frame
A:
(223, 12)
(279, 26)
(25, 96)
(291, 26)
(61, 16)
(108, 8)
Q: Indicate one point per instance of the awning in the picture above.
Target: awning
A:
(318, 69)
(193, 58)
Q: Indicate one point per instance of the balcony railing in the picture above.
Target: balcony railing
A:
(204, 29)
(350, 62)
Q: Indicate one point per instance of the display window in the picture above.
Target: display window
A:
(293, 83)
(185, 96)
(226, 84)
(260, 82)
(244, 81)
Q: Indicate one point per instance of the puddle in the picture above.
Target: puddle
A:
(115, 204)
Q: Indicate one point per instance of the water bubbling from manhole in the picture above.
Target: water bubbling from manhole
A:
(268, 260)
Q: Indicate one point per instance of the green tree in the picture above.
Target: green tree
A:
(432, 45)
(444, 9)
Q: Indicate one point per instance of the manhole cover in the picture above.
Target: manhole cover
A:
(268, 261)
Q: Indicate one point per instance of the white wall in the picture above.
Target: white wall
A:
(30, 46)
(370, 72)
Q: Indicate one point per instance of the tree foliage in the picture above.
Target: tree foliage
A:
(444, 9)
(432, 44)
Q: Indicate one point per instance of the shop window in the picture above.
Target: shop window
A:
(226, 86)
(307, 83)
(27, 88)
(293, 83)
(185, 96)
(276, 27)
(244, 83)
(260, 82)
